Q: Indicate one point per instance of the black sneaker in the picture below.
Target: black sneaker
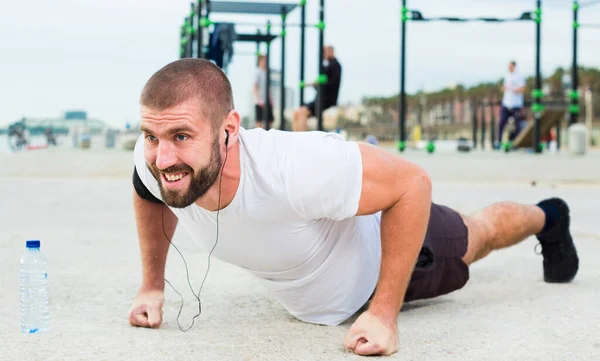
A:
(560, 256)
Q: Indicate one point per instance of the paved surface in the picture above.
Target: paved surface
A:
(79, 206)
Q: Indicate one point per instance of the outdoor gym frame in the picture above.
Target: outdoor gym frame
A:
(574, 108)
(537, 93)
(204, 8)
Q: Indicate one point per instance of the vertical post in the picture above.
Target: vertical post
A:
(182, 39)
(574, 108)
(257, 56)
(282, 77)
(492, 124)
(474, 122)
(268, 108)
(537, 107)
(402, 100)
(257, 45)
(200, 30)
(483, 118)
(321, 80)
(302, 46)
(190, 36)
(207, 21)
(558, 127)
(589, 113)
(192, 29)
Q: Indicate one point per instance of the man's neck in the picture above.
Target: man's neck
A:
(228, 186)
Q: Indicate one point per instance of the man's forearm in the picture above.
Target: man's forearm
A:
(153, 244)
(403, 229)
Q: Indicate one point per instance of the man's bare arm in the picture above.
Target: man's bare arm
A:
(402, 191)
(153, 244)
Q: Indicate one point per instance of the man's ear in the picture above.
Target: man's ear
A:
(231, 127)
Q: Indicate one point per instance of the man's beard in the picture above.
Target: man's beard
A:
(200, 183)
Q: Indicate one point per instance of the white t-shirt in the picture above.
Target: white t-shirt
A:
(292, 222)
(512, 99)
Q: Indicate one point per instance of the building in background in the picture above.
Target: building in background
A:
(66, 124)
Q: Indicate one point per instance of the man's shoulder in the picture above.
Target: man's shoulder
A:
(282, 140)
(280, 147)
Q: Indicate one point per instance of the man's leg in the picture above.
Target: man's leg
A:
(516, 114)
(499, 226)
(505, 224)
(504, 114)
(258, 116)
(299, 119)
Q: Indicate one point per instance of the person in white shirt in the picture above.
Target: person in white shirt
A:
(331, 227)
(512, 101)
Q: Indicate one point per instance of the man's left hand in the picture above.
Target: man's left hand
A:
(372, 335)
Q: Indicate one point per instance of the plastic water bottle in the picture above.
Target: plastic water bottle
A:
(35, 316)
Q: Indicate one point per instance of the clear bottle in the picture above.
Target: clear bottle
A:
(35, 315)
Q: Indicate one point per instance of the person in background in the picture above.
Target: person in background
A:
(331, 89)
(259, 91)
(512, 101)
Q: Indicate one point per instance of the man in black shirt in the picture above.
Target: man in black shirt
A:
(331, 89)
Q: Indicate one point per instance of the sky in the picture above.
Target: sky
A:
(96, 55)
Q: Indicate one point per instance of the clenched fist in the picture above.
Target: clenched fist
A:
(370, 335)
(146, 310)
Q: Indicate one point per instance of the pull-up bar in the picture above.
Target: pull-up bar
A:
(537, 93)
(293, 25)
(589, 3)
(417, 16)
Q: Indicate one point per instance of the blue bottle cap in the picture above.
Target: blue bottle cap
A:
(33, 244)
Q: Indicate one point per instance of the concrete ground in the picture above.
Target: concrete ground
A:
(79, 206)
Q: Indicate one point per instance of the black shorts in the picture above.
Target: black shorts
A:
(440, 268)
(312, 107)
(259, 113)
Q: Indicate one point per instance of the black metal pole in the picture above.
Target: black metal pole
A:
(192, 30)
(402, 102)
(268, 80)
(492, 123)
(321, 67)
(200, 30)
(282, 77)
(207, 16)
(537, 112)
(257, 64)
(190, 33)
(257, 45)
(302, 46)
(182, 46)
(483, 118)
(474, 123)
(574, 73)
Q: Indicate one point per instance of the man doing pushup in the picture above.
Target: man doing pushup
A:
(329, 226)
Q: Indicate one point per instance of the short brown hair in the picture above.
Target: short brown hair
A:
(186, 79)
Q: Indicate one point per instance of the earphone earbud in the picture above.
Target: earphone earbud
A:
(227, 138)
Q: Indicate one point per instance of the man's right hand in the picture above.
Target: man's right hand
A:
(146, 310)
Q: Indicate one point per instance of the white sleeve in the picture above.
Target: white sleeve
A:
(142, 169)
(323, 176)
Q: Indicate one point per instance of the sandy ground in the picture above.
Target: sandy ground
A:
(80, 208)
